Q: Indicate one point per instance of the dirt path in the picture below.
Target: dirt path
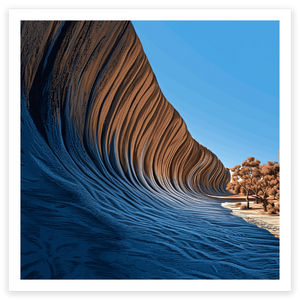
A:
(256, 215)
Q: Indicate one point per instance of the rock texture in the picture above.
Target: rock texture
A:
(113, 186)
(93, 80)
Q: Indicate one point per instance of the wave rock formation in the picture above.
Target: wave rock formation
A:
(91, 83)
(113, 186)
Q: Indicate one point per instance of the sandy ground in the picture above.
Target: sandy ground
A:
(257, 216)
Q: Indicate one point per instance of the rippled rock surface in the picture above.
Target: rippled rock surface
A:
(112, 183)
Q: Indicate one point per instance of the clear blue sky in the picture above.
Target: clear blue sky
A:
(223, 79)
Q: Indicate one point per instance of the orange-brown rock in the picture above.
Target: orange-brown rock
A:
(94, 80)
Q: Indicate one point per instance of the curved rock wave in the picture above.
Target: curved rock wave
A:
(112, 183)
(92, 81)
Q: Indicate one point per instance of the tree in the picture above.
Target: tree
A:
(244, 178)
(259, 181)
(268, 184)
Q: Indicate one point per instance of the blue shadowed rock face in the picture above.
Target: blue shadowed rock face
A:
(113, 185)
